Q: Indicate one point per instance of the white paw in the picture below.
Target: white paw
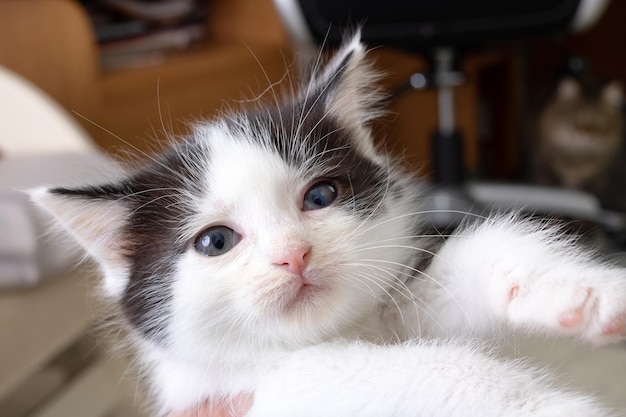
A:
(588, 302)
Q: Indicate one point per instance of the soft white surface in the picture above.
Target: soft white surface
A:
(31, 122)
(18, 243)
(40, 143)
(601, 371)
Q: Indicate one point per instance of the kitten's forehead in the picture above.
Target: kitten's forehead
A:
(303, 133)
(243, 171)
(257, 166)
(293, 142)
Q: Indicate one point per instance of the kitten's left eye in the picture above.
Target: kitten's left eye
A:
(216, 241)
(320, 195)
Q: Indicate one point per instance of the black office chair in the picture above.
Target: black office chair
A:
(439, 30)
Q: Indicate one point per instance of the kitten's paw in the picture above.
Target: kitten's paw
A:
(589, 303)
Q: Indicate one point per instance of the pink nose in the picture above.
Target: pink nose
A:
(294, 260)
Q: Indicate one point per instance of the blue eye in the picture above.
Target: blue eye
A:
(320, 195)
(216, 241)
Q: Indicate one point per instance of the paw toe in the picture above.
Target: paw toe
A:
(615, 327)
(575, 317)
(572, 318)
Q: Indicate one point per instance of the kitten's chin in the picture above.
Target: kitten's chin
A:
(309, 312)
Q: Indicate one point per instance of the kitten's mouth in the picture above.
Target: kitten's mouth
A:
(294, 294)
(303, 293)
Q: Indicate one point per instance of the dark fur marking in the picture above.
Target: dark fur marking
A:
(158, 212)
(329, 151)
(155, 200)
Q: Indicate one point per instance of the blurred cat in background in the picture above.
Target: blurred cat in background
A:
(580, 135)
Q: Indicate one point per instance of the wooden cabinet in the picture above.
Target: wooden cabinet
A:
(246, 50)
(51, 43)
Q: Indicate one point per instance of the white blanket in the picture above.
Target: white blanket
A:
(29, 250)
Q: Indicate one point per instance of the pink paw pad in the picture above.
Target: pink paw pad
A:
(617, 326)
(572, 318)
(576, 316)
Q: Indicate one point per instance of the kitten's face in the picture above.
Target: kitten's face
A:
(284, 247)
(282, 226)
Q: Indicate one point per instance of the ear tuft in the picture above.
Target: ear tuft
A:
(612, 94)
(347, 84)
(97, 224)
(351, 53)
(568, 90)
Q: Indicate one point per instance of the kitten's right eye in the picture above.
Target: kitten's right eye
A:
(216, 240)
(320, 195)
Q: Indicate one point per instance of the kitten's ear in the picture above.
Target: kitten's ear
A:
(612, 94)
(568, 90)
(96, 220)
(347, 84)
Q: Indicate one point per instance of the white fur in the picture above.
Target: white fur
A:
(550, 276)
(230, 334)
(407, 380)
(356, 344)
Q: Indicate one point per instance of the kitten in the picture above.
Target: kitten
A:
(580, 135)
(280, 253)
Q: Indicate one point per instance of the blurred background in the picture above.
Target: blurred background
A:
(84, 84)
